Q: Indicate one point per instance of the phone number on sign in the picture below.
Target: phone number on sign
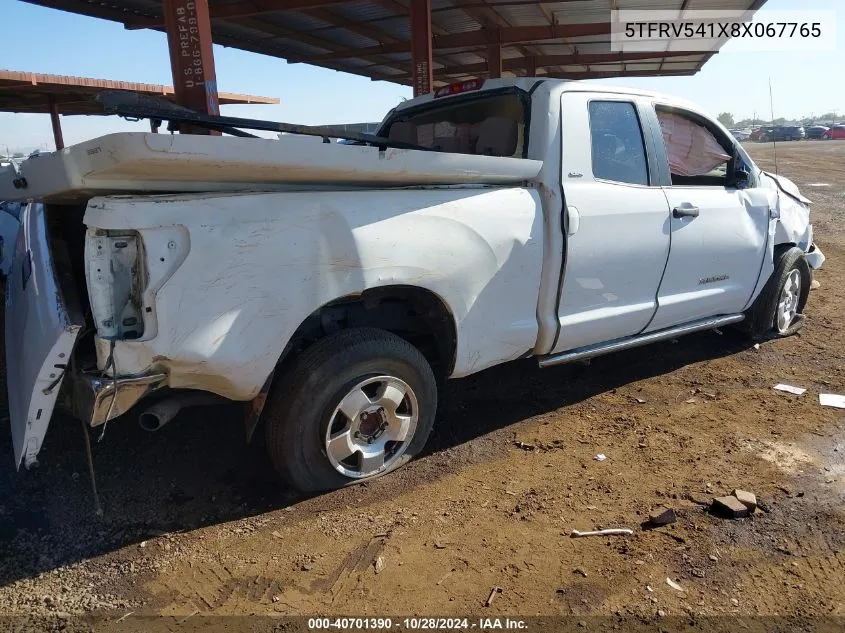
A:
(387, 623)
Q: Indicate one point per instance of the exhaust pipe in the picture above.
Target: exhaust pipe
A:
(159, 414)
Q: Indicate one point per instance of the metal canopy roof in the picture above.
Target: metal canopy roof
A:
(31, 92)
(568, 38)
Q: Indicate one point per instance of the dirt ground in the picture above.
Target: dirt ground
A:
(196, 523)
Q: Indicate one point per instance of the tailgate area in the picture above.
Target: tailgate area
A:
(42, 323)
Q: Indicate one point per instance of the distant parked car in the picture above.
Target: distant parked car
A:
(816, 131)
(741, 135)
(835, 132)
(783, 133)
(759, 134)
(789, 133)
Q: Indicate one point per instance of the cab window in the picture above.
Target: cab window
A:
(618, 151)
(697, 156)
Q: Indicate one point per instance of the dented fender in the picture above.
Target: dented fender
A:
(789, 223)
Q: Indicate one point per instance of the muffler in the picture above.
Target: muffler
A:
(159, 414)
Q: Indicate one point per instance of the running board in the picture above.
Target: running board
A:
(618, 345)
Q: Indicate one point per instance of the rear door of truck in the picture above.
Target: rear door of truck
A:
(40, 335)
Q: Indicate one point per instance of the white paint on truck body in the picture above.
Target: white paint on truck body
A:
(259, 264)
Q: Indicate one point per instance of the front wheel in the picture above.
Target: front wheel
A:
(356, 405)
(779, 307)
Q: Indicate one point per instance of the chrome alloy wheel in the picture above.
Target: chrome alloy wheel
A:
(790, 295)
(371, 427)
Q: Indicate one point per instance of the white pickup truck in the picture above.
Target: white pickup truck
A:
(332, 287)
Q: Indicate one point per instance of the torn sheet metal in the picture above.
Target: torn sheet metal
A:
(793, 214)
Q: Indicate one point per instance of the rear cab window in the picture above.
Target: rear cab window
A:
(493, 123)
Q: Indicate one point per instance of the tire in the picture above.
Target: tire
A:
(304, 410)
(825, 137)
(789, 286)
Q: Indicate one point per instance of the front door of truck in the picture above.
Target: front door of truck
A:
(40, 334)
(719, 231)
(616, 220)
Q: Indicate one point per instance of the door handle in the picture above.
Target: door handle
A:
(573, 220)
(685, 211)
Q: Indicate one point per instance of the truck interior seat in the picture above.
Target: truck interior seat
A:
(447, 144)
(497, 136)
(403, 131)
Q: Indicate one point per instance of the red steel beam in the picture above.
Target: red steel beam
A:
(421, 62)
(619, 73)
(481, 37)
(239, 10)
(257, 7)
(494, 61)
(544, 61)
(188, 28)
(56, 122)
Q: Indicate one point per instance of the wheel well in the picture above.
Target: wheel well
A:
(417, 315)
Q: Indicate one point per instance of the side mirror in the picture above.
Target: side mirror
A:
(741, 178)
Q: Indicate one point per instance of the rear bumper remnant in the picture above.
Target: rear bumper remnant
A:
(99, 398)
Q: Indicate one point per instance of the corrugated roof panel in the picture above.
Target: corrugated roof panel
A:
(716, 5)
(397, 57)
(294, 20)
(283, 29)
(522, 15)
(361, 11)
(396, 27)
(456, 21)
(582, 47)
(386, 70)
(466, 58)
(297, 49)
(641, 67)
(344, 38)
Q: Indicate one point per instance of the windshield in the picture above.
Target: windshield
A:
(493, 125)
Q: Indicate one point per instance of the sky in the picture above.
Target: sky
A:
(38, 39)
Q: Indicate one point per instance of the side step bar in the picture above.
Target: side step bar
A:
(618, 345)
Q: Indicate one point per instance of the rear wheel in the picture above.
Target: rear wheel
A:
(778, 309)
(356, 405)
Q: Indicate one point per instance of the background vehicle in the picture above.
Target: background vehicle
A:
(816, 131)
(333, 287)
(835, 132)
(783, 133)
(741, 135)
(759, 134)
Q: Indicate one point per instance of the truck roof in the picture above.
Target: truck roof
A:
(564, 85)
